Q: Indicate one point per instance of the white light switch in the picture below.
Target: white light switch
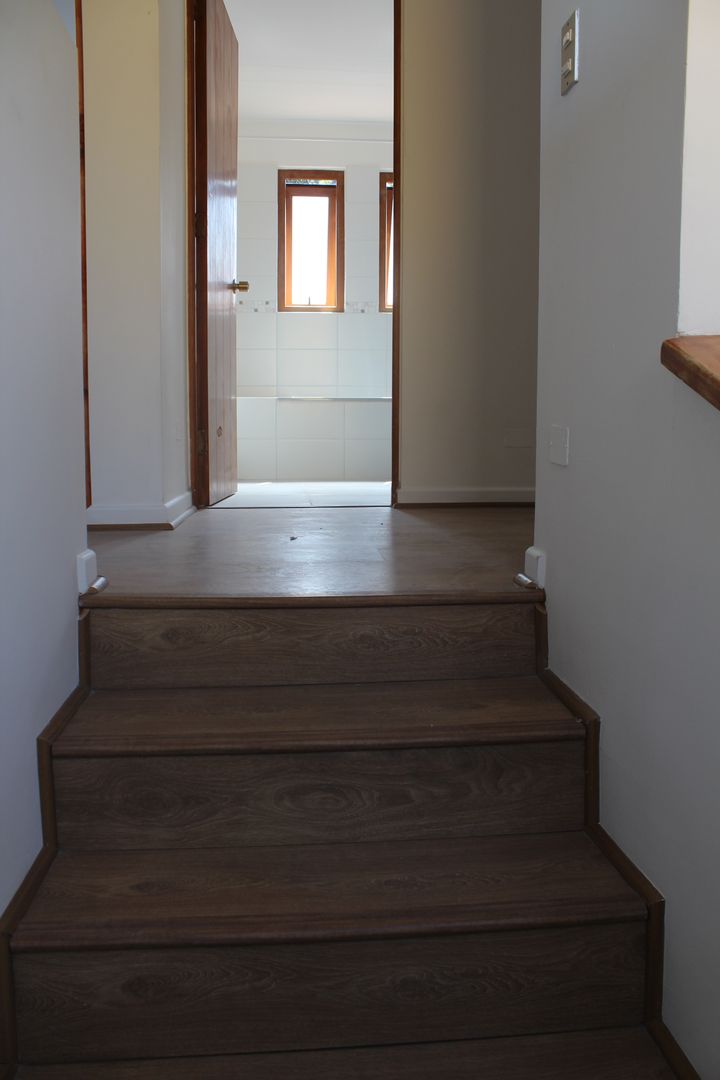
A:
(559, 445)
(570, 53)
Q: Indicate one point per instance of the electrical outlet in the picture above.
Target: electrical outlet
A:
(559, 445)
(570, 54)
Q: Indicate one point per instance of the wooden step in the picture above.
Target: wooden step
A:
(448, 759)
(621, 1054)
(326, 892)
(364, 716)
(155, 954)
(136, 649)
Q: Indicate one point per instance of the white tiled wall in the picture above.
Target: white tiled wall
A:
(318, 354)
(281, 439)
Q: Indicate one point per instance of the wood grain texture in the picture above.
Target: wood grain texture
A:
(83, 247)
(655, 903)
(397, 247)
(9, 921)
(673, 1053)
(351, 716)
(381, 555)
(8, 1033)
(46, 775)
(215, 189)
(318, 798)
(695, 360)
(144, 649)
(324, 892)
(186, 1002)
(624, 1054)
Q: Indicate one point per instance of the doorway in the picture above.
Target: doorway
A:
(315, 376)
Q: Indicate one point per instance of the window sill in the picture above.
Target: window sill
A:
(695, 360)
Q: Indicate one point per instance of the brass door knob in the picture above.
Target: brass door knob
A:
(239, 286)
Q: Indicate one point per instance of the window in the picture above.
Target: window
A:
(311, 240)
(387, 237)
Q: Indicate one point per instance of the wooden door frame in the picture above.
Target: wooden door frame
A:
(83, 247)
(196, 98)
(397, 263)
(197, 339)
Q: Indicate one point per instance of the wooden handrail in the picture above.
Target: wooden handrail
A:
(695, 360)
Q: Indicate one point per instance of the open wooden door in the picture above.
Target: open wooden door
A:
(213, 131)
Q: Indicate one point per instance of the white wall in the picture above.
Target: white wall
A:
(631, 526)
(470, 151)
(296, 354)
(135, 174)
(42, 520)
(700, 266)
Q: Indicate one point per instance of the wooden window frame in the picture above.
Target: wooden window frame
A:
(336, 235)
(387, 204)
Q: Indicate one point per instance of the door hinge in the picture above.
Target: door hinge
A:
(202, 442)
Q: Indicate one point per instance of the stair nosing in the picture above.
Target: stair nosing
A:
(563, 726)
(438, 919)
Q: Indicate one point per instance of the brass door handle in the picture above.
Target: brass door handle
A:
(239, 286)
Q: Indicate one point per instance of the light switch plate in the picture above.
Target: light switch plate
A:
(570, 53)
(559, 445)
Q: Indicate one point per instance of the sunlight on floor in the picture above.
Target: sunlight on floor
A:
(270, 495)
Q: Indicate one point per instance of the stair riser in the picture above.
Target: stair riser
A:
(262, 799)
(133, 649)
(186, 1002)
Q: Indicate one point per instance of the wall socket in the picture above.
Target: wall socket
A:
(570, 54)
(559, 445)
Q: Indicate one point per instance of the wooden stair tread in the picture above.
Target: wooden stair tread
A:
(319, 717)
(621, 1054)
(323, 892)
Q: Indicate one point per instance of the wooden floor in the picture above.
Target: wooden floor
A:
(460, 555)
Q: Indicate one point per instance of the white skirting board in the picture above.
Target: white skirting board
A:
(466, 495)
(171, 513)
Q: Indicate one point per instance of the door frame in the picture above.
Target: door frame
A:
(197, 342)
(196, 99)
(83, 249)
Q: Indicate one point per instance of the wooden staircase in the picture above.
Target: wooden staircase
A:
(329, 841)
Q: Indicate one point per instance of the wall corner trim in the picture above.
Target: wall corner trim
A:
(169, 514)
(425, 495)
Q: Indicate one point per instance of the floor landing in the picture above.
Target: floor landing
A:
(319, 555)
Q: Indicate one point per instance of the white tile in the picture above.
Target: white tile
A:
(258, 221)
(363, 367)
(362, 259)
(261, 297)
(256, 367)
(362, 392)
(365, 289)
(368, 420)
(310, 420)
(256, 417)
(310, 459)
(388, 322)
(362, 184)
(309, 367)
(305, 390)
(307, 330)
(257, 183)
(361, 331)
(256, 331)
(257, 391)
(362, 222)
(257, 459)
(367, 459)
(256, 259)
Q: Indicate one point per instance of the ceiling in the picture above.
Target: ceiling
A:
(327, 60)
